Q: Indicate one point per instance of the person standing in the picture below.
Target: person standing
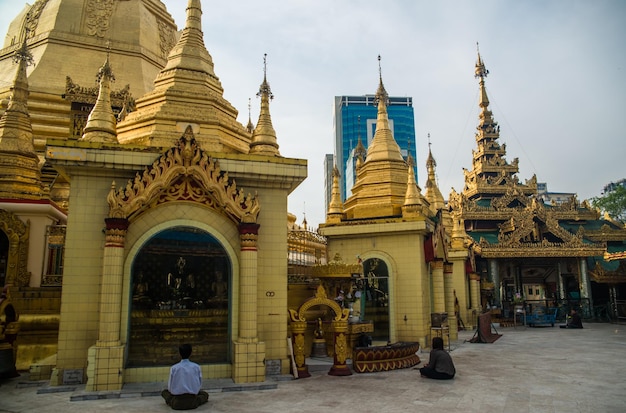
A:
(440, 365)
(183, 388)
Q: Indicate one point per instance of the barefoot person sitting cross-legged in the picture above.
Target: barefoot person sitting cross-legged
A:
(183, 388)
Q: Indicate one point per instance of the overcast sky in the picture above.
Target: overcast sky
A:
(557, 81)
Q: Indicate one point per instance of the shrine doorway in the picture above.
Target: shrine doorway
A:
(4, 257)
(181, 293)
(375, 306)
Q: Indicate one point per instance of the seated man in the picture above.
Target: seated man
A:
(440, 365)
(574, 320)
(183, 388)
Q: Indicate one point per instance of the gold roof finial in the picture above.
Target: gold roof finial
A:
(433, 194)
(409, 158)
(430, 162)
(480, 71)
(381, 93)
(265, 86)
(250, 125)
(20, 177)
(101, 124)
(335, 207)
(264, 136)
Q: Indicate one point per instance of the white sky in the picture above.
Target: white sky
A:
(557, 84)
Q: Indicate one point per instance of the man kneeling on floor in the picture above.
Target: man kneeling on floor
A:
(183, 388)
(440, 365)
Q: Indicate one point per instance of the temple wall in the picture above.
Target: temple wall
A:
(402, 248)
(85, 240)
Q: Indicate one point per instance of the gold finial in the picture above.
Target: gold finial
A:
(23, 54)
(409, 158)
(381, 93)
(480, 71)
(265, 86)
(106, 69)
(430, 162)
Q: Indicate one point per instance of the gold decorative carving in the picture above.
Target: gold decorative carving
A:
(183, 173)
(115, 237)
(18, 234)
(248, 240)
(341, 348)
(98, 17)
(600, 275)
(167, 38)
(337, 268)
(81, 94)
(320, 299)
(32, 17)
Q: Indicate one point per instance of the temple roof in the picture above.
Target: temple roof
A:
(491, 173)
(380, 189)
(187, 92)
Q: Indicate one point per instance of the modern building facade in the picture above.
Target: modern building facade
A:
(355, 119)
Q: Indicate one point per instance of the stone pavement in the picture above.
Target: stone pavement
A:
(542, 369)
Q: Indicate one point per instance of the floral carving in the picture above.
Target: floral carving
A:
(32, 17)
(166, 38)
(98, 17)
(183, 173)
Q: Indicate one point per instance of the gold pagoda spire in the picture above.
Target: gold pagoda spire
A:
(433, 194)
(335, 207)
(250, 125)
(481, 73)
(359, 151)
(190, 53)
(383, 146)
(380, 187)
(413, 196)
(491, 175)
(101, 124)
(20, 176)
(264, 136)
(186, 91)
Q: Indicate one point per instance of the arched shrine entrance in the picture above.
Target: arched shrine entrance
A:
(339, 327)
(181, 283)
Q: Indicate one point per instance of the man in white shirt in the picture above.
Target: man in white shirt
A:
(183, 388)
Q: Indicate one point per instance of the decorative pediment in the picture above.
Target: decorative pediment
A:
(601, 275)
(513, 198)
(183, 173)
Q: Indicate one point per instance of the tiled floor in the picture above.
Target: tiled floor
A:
(543, 369)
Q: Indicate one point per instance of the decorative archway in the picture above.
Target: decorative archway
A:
(181, 280)
(339, 326)
(183, 174)
(16, 253)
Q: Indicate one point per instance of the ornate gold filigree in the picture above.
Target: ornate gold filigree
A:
(18, 234)
(81, 94)
(183, 173)
(337, 268)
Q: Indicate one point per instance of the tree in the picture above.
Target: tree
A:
(613, 202)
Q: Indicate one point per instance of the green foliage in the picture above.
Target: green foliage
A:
(613, 202)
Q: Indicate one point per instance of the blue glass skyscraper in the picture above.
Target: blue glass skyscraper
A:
(354, 117)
